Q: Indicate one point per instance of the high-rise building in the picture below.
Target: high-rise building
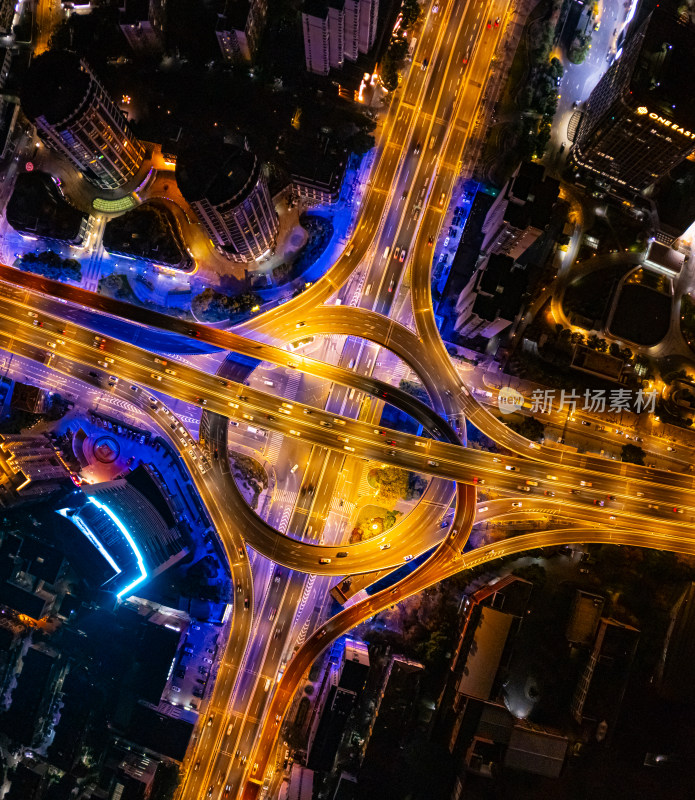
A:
(492, 298)
(639, 122)
(520, 212)
(75, 116)
(142, 23)
(226, 187)
(369, 14)
(239, 29)
(336, 30)
(324, 35)
(351, 27)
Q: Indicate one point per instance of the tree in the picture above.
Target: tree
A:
(410, 11)
(633, 454)
(416, 486)
(536, 573)
(530, 427)
(50, 264)
(392, 483)
(166, 780)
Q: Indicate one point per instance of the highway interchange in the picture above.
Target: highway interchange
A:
(419, 156)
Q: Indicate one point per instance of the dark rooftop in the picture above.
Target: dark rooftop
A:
(216, 172)
(665, 67)
(235, 15)
(134, 11)
(54, 87)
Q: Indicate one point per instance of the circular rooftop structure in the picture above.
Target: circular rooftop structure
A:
(216, 172)
(55, 86)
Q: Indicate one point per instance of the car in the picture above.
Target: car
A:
(161, 361)
(325, 424)
(408, 558)
(425, 63)
(300, 324)
(255, 768)
(197, 766)
(417, 148)
(432, 462)
(497, 22)
(175, 688)
(396, 252)
(134, 388)
(523, 488)
(585, 483)
(430, 241)
(489, 24)
(403, 254)
(516, 505)
(575, 491)
(324, 560)
(156, 376)
(671, 449)
(510, 468)
(597, 25)
(207, 660)
(341, 554)
(584, 422)
(271, 615)
(548, 493)
(464, 60)
(210, 719)
(446, 241)
(37, 323)
(246, 603)
(610, 497)
(202, 401)
(170, 371)
(677, 510)
(385, 546)
(32, 314)
(598, 502)
(476, 479)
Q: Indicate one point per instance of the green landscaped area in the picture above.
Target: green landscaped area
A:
(394, 484)
(371, 521)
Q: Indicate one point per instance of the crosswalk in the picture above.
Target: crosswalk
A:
(272, 448)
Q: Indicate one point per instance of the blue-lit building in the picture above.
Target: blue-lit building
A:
(130, 528)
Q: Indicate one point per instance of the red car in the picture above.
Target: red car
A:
(489, 24)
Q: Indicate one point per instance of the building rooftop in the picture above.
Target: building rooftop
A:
(134, 11)
(213, 171)
(665, 67)
(54, 87)
(235, 15)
